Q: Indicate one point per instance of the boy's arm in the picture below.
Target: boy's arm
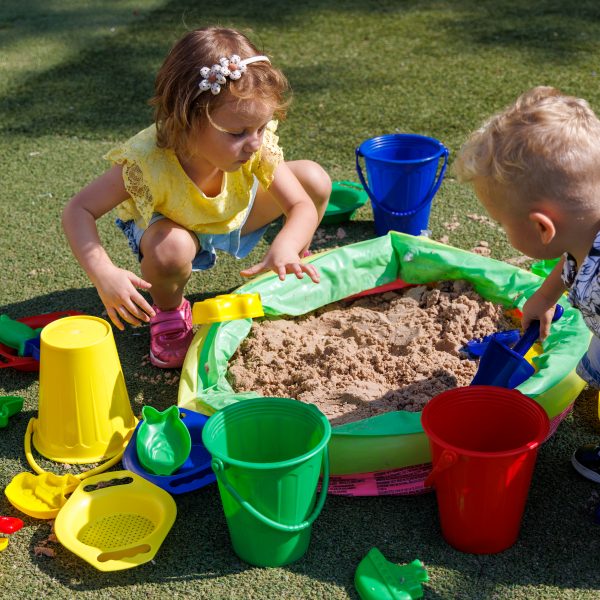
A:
(116, 287)
(541, 304)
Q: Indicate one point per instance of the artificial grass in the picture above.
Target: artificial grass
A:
(75, 76)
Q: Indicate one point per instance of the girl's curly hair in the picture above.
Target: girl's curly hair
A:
(179, 104)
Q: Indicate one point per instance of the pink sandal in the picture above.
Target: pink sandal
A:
(170, 336)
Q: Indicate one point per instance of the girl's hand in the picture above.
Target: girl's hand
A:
(117, 290)
(282, 260)
(541, 308)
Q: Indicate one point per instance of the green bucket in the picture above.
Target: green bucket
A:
(267, 454)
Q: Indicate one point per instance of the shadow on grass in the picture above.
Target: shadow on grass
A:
(145, 384)
(101, 90)
(551, 30)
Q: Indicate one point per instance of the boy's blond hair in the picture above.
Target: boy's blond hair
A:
(545, 146)
(179, 104)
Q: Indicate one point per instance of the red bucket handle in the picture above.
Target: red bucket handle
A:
(445, 461)
(407, 213)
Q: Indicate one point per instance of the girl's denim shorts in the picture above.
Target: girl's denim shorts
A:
(233, 242)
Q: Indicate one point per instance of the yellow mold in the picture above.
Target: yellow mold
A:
(227, 307)
(116, 520)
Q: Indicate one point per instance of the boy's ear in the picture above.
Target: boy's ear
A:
(544, 226)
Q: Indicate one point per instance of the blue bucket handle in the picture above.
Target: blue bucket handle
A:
(219, 469)
(426, 200)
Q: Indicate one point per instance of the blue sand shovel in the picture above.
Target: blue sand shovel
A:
(476, 347)
(506, 367)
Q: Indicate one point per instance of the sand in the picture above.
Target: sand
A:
(360, 358)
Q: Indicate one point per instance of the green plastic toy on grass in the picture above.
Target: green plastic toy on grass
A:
(377, 578)
(163, 442)
(9, 406)
(346, 198)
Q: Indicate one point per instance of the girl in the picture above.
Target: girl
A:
(207, 175)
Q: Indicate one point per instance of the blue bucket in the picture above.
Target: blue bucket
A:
(404, 176)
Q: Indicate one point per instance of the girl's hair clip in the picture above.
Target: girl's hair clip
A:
(214, 77)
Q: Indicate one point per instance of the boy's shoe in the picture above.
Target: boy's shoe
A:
(586, 460)
(170, 336)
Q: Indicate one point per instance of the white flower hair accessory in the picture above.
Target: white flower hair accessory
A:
(214, 77)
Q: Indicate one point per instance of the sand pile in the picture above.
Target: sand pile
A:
(356, 359)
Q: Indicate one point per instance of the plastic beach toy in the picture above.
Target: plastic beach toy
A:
(403, 176)
(267, 454)
(10, 525)
(29, 361)
(116, 520)
(506, 367)
(9, 406)
(227, 307)
(196, 471)
(84, 413)
(163, 442)
(476, 347)
(42, 495)
(346, 198)
(14, 334)
(484, 442)
(376, 578)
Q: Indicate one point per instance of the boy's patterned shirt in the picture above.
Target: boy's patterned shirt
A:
(584, 285)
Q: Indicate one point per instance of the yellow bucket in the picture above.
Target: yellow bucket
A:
(84, 412)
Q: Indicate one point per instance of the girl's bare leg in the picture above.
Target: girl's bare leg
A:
(168, 250)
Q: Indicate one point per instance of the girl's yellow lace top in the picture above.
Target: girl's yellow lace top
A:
(156, 182)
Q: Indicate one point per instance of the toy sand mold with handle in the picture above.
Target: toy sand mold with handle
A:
(393, 440)
(116, 520)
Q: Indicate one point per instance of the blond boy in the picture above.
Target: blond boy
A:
(535, 167)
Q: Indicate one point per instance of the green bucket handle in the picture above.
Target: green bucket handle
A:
(219, 467)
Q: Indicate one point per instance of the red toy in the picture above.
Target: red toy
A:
(380, 289)
(10, 524)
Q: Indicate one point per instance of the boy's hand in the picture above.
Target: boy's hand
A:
(541, 308)
(117, 290)
(282, 260)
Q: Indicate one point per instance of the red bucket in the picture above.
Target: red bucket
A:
(484, 442)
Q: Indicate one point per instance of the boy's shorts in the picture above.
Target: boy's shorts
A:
(239, 246)
(589, 366)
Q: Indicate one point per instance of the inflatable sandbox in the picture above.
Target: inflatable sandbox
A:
(393, 440)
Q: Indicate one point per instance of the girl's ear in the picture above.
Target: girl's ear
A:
(544, 226)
